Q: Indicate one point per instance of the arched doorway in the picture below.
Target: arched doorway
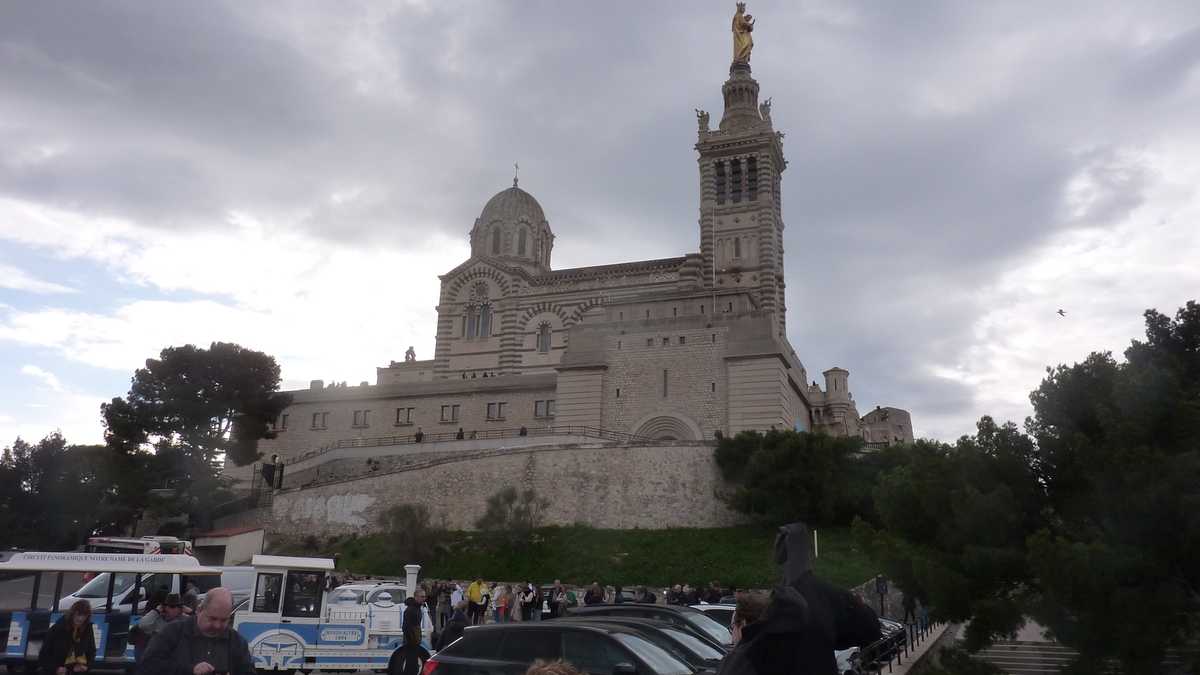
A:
(667, 428)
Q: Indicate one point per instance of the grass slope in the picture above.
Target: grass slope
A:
(741, 556)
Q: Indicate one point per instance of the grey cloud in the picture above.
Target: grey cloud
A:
(176, 113)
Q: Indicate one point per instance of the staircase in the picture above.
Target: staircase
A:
(1017, 657)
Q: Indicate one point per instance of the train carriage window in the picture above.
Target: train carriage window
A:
(267, 593)
(303, 596)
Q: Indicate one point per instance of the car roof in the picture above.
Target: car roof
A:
(369, 587)
(596, 626)
(586, 609)
(715, 605)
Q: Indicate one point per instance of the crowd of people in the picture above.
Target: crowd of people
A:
(483, 602)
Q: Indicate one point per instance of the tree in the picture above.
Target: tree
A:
(408, 528)
(210, 403)
(1089, 522)
(197, 407)
(784, 476)
(54, 495)
(512, 516)
(953, 525)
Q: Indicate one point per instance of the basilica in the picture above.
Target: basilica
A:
(684, 348)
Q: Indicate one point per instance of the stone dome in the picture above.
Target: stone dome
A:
(510, 206)
(513, 226)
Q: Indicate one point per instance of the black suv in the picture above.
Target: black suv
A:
(692, 619)
(702, 655)
(596, 648)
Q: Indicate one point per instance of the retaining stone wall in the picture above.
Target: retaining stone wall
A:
(603, 485)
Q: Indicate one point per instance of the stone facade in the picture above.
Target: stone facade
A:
(669, 349)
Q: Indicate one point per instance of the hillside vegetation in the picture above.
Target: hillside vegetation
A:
(741, 556)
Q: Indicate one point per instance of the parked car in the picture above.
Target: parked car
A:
(721, 613)
(239, 581)
(594, 647)
(368, 593)
(700, 654)
(694, 620)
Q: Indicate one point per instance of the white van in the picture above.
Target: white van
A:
(239, 580)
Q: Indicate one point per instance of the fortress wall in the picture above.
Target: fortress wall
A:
(606, 486)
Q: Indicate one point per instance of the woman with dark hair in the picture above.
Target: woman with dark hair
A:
(409, 659)
(69, 646)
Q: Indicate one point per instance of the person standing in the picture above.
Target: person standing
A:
(499, 603)
(417, 614)
(909, 603)
(474, 601)
(485, 602)
(202, 644)
(410, 658)
(70, 646)
(454, 628)
(444, 608)
(594, 595)
(161, 614)
(527, 600)
(558, 600)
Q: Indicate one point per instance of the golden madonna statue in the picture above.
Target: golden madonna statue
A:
(743, 43)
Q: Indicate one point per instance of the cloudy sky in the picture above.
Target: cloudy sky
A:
(293, 176)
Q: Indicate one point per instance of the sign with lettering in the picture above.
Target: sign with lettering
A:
(342, 635)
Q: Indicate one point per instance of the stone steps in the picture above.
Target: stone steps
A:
(1040, 658)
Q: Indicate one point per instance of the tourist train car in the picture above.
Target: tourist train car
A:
(292, 623)
(23, 628)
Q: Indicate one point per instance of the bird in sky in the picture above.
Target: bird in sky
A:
(1061, 313)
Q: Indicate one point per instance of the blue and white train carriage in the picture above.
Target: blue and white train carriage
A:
(291, 623)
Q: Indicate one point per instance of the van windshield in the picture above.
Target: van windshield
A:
(98, 586)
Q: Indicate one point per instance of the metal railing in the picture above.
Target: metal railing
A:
(484, 434)
(895, 647)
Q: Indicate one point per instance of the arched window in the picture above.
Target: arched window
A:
(496, 241)
(485, 320)
(521, 242)
(472, 321)
(737, 247)
(543, 337)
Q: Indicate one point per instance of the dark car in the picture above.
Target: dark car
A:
(702, 655)
(593, 647)
(686, 617)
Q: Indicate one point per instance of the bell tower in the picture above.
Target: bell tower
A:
(741, 219)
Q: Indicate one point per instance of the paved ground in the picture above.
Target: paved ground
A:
(15, 593)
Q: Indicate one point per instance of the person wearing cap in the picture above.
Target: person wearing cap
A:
(170, 609)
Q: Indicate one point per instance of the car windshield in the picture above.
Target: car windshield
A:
(711, 628)
(694, 644)
(98, 586)
(659, 660)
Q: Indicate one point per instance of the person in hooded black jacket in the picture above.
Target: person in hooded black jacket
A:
(806, 620)
(70, 645)
(454, 628)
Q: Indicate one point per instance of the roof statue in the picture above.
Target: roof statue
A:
(743, 43)
(410, 355)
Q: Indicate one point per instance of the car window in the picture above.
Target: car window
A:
(694, 644)
(656, 657)
(526, 646)
(303, 596)
(204, 582)
(477, 644)
(592, 652)
(396, 593)
(710, 627)
(721, 616)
